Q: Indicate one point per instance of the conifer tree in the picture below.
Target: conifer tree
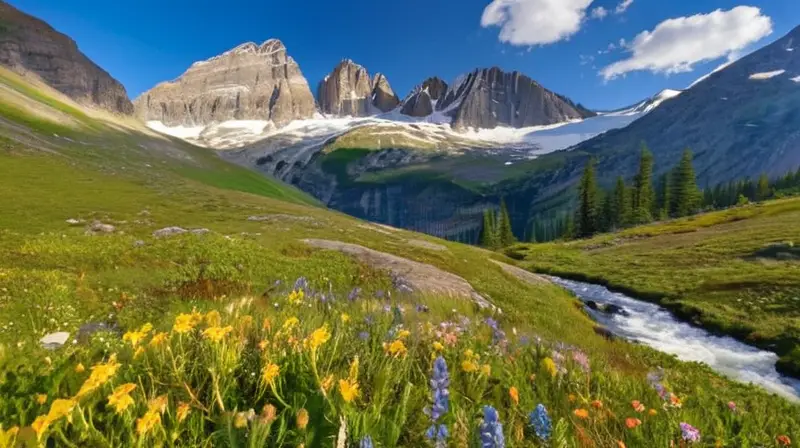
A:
(488, 238)
(664, 195)
(763, 191)
(686, 195)
(622, 204)
(504, 233)
(588, 206)
(644, 195)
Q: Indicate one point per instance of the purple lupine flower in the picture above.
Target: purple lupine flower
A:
(440, 382)
(689, 432)
(582, 360)
(498, 335)
(353, 296)
(301, 284)
(491, 429)
(363, 335)
(366, 442)
(541, 423)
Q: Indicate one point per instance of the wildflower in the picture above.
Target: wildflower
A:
(784, 440)
(689, 432)
(637, 406)
(581, 413)
(60, 409)
(80, 368)
(139, 352)
(732, 406)
(318, 338)
(469, 366)
(296, 297)
(158, 404)
(327, 383)
(268, 414)
(302, 419)
(41, 398)
(213, 318)
(148, 421)
(184, 323)
(240, 420)
(438, 346)
(582, 360)
(550, 367)
(182, 412)
(100, 375)
(486, 370)
(354, 370)
(158, 339)
(440, 383)
(353, 296)
(674, 401)
(402, 334)
(366, 442)
(621, 444)
(120, 399)
(270, 373)
(349, 390)
(217, 334)
(263, 345)
(134, 337)
(40, 425)
(541, 423)
(491, 429)
(290, 323)
(652, 412)
(345, 318)
(572, 398)
(513, 392)
(397, 348)
(632, 423)
(363, 335)
(8, 437)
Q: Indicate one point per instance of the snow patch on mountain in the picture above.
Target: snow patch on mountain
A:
(767, 75)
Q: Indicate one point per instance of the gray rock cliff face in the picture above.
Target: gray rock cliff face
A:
(383, 97)
(487, 98)
(421, 101)
(249, 82)
(30, 46)
(347, 91)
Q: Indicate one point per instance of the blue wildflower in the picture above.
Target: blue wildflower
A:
(498, 335)
(366, 442)
(301, 284)
(491, 429)
(353, 296)
(440, 382)
(363, 335)
(541, 423)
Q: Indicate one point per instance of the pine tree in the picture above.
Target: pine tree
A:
(504, 233)
(622, 204)
(686, 195)
(607, 212)
(488, 238)
(763, 191)
(588, 204)
(664, 195)
(644, 195)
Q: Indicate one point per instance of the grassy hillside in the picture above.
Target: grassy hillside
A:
(200, 329)
(734, 271)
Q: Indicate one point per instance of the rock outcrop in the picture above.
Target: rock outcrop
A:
(30, 46)
(487, 98)
(423, 99)
(249, 82)
(383, 97)
(347, 91)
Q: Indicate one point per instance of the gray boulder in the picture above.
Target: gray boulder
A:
(169, 231)
(31, 47)
(249, 82)
(53, 341)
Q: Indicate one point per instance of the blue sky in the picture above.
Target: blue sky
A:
(563, 44)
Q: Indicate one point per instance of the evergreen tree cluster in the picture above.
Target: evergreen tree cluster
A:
(496, 232)
(733, 193)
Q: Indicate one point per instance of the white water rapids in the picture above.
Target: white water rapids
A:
(656, 327)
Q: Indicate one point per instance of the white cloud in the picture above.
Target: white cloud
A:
(599, 13)
(623, 6)
(675, 45)
(535, 22)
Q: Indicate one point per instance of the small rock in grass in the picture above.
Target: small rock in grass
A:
(54, 340)
(99, 227)
(74, 222)
(169, 231)
(138, 243)
(200, 231)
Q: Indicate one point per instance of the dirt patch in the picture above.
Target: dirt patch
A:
(521, 274)
(427, 245)
(420, 277)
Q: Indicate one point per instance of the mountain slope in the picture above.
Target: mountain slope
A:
(30, 46)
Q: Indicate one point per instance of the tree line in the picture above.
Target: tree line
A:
(645, 199)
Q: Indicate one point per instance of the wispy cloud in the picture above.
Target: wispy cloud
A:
(535, 22)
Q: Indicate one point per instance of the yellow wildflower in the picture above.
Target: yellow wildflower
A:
(269, 414)
(158, 339)
(158, 404)
(41, 398)
(134, 337)
(349, 390)
(652, 412)
(572, 398)
(402, 334)
(581, 413)
(263, 345)
(486, 370)
(397, 348)
(240, 420)
(100, 375)
(80, 368)
(59, 409)
(267, 324)
(513, 392)
(291, 323)
(146, 328)
(353, 370)
(243, 324)
(147, 422)
(550, 367)
(438, 346)
(184, 323)
(469, 354)
(270, 373)
(40, 425)
(217, 334)
(345, 318)
(139, 351)
(121, 398)
(327, 383)
(213, 318)
(296, 297)
(8, 437)
(182, 412)
(302, 419)
(469, 366)
(318, 338)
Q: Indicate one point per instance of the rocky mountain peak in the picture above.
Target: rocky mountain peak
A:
(30, 46)
(347, 91)
(383, 97)
(248, 82)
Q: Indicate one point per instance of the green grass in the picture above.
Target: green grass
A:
(710, 268)
(55, 277)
